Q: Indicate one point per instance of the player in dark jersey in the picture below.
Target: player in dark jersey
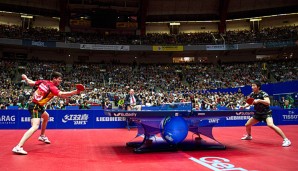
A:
(262, 113)
(46, 90)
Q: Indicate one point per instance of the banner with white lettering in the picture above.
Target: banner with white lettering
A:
(105, 47)
(104, 121)
(73, 118)
(223, 118)
(9, 119)
(222, 47)
(285, 116)
(77, 119)
(215, 47)
(38, 43)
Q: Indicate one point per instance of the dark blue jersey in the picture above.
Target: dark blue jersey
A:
(260, 108)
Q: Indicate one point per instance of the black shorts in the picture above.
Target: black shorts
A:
(262, 117)
(36, 110)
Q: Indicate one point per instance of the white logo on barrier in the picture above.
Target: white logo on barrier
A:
(237, 117)
(245, 113)
(125, 114)
(28, 119)
(7, 119)
(105, 47)
(110, 119)
(25, 119)
(291, 116)
(78, 119)
(41, 44)
(216, 163)
(213, 120)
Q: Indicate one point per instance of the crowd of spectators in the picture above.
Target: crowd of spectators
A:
(155, 84)
(274, 34)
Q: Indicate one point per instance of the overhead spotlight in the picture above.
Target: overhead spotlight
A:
(174, 24)
(26, 16)
(255, 19)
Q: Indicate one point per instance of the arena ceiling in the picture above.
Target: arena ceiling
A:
(202, 10)
(159, 10)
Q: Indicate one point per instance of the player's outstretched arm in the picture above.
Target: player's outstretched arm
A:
(27, 80)
(65, 94)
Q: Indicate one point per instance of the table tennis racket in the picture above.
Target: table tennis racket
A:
(80, 87)
(250, 101)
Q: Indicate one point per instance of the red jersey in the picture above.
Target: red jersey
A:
(46, 90)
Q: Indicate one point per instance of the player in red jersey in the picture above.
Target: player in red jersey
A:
(46, 90)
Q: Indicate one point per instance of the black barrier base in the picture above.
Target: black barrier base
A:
(155, 148)
(158, 145)
(153, 144)
(133, 144)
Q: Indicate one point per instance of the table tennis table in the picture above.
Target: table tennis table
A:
(198, 121)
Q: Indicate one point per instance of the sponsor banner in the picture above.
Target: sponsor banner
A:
(104, 121)
(239, 118)
(24, 119)
(215, 47)
(208, 122)
(222, 47)
(279, 44)
(73, 118)
(8, 119)
(167, 48)
(68, 45)
(65, 119)
(232, 47)
(250, 46)
(147, 114)
(105, 47)
(39, 43)
(285, 116)
(76, 119)
(224, 117)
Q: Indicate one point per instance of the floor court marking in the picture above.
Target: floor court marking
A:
(204, 164)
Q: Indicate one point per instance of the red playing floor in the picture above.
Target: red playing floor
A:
(104, 150)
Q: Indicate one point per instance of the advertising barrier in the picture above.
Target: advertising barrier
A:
(167, 48)
(96, 119)
(39, 43)
(62, 119)
(222, 47)
(105, 47)
(280, 44)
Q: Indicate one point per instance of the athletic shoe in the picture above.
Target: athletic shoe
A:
(19, 150)
(44, 139)
(286, 143)
(247, 137)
